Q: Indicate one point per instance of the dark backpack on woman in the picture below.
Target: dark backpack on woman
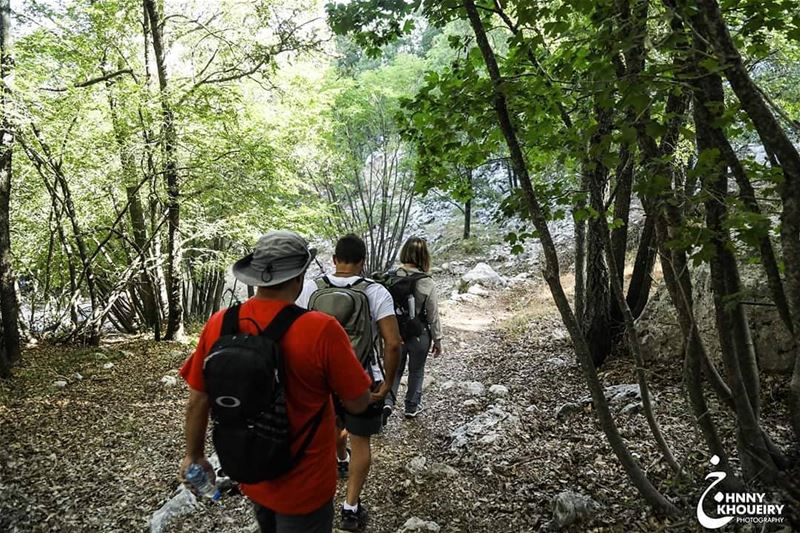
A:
(401, 287)
(245, 382)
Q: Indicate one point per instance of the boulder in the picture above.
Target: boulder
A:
(59, 383)
(567, 409)
(415, 524)
(477, 290)
(520, 278)
(471, 404)
(470, 388)
(483, 274)
(169, 381)
(498, 390)
(662, 339)
(484, 427)
(570, 508)
(465, 297)
(442, 470)
(619, 396)
(473, 388)
(417, 466)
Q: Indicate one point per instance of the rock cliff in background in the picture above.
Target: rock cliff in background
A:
(661, 335)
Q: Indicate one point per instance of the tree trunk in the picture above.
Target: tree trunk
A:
(596, 318)
(9, 309)
(169, 146)
(144, 288)
(708, 111)
(776, 142)
(551, 270)
(467, 218)
(738, 357)
(580, 248)
(635, 347)
(694, 352)
(642, 277)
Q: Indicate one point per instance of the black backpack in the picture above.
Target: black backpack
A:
(245, 382)
(401, 288)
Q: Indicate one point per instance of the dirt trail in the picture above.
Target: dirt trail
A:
(100, 454)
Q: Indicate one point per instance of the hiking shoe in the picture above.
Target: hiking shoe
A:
(387, 412)
(412, 413)
(343, 466)
(354, 520)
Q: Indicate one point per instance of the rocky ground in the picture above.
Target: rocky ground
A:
(90, 439)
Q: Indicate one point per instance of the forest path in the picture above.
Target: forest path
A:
(100, 451)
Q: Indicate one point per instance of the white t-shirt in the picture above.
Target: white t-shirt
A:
(381, 305)
(309, 286)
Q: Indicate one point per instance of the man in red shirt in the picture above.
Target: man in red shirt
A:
(319, 360)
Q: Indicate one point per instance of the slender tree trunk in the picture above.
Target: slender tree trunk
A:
(622, 209)
(642, 277)
(144, 288)
(596, 318)
(468, 207)
(9, 308)
(169, 145)
(708, 111)
(694, 352)
(742, 377)
(551, 270)
(579, 223)
(635, 346)
(777, 143)
(467, 219)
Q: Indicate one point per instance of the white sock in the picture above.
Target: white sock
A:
(348, 507)
(345, 460)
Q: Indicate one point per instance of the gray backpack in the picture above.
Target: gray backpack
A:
(350, 307)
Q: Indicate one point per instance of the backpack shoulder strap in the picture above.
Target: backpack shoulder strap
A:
(324, 282)
(230, 321)
(311, 428)
(283, 321)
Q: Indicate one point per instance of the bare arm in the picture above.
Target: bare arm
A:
(358, 405)
(197, 409)
(391, 353)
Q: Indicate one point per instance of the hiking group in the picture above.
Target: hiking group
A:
(288, 376)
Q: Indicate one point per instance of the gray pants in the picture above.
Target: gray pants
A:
(414, 353)
(319, 521)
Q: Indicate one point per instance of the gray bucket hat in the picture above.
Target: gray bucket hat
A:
(279, 256)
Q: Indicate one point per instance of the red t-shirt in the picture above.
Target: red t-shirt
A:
(319, 360)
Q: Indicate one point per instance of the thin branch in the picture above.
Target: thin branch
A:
(90, 82)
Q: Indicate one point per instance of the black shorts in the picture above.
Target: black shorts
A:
(365, 424)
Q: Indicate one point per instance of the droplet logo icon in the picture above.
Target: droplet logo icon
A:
(706, 521)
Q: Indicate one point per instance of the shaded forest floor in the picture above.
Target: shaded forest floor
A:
(101, 452)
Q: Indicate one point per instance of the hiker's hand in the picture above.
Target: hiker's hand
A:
(380, 395)
(436, 349)
(202, 461)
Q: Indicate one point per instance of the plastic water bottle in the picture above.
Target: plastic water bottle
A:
(198, 477)
(412, 308)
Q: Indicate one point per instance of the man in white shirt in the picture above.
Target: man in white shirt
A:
(349, 259)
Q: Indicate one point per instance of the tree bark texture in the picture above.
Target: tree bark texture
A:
(596, 319)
